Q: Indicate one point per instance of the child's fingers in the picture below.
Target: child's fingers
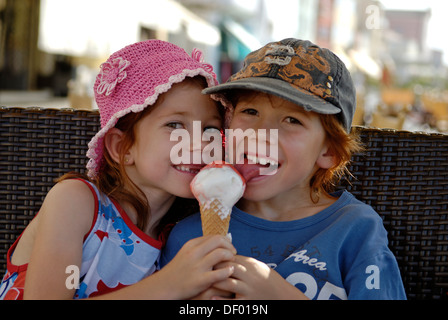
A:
(205, 245)
(217, 256)
(239, 269)
(219, 275)
(212, 242)
(231, 284)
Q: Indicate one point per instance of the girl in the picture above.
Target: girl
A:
(101, 236)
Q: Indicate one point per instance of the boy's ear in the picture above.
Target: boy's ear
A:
(326, 159)
(112, 142)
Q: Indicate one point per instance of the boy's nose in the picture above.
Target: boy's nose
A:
(266, 122)
(264, 128)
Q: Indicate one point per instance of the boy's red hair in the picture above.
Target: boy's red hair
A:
(342, 146)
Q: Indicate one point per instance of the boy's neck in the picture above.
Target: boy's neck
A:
(280, 209)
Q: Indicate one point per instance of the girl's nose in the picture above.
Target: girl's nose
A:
(205, 145)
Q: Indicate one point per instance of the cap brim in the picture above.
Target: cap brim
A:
(282, 89)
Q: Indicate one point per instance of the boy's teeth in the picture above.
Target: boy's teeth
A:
(252, 159)
(262, 161)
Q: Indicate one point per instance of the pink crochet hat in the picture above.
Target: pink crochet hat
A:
(133, 78)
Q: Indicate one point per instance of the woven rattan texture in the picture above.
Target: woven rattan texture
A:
(36, 147)
(402, 175)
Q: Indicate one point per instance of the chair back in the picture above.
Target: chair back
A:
(402, 175)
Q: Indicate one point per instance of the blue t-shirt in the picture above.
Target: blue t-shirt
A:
(338, 253)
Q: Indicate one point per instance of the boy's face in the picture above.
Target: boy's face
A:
(301, 146)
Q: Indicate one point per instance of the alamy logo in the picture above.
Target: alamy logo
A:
(373, 19)
(373, 280)
(254, 147)
(72, 281)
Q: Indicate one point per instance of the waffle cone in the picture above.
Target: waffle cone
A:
(212, 223)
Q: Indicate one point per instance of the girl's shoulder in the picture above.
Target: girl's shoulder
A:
(72, 200)
(73, 188)
(68, 206)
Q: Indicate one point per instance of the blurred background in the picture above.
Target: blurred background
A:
(51, 50)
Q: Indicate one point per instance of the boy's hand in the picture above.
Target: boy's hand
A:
(254, 280)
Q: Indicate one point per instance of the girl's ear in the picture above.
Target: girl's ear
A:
(326, 159)
(112, 142)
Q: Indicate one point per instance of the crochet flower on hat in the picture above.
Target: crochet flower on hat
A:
(111, 74)
(197, 55)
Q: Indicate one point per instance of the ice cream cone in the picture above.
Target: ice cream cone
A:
(212, 223)
(217, 187)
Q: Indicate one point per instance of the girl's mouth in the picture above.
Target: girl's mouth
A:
(188, 168)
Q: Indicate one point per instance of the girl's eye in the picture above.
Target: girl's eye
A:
(293, 120)
(211, 130)
(175, 125)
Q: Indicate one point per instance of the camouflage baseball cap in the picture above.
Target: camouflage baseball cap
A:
(301, 72)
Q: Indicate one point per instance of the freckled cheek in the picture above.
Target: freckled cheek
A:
(154, 151)
(297, 150)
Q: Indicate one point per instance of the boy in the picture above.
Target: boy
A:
(323, 244)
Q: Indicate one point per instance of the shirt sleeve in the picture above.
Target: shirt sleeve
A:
(377, 278)
(370, 270)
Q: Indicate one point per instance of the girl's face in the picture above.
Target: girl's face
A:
(301, 147)
(149, 162)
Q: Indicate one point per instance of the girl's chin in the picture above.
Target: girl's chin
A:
(182, 193)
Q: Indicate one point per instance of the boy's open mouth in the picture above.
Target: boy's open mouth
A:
(261, 161)
(256, 166)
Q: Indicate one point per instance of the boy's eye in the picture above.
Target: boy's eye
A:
(293, 120)
(250, 111)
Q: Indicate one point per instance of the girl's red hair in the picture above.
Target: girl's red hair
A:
(115, 183)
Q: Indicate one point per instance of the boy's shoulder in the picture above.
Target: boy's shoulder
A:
(354, 218)
(189, 226)
(353, 208)
(359, 222)
(185, 230)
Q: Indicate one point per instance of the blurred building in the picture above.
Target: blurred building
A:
(19, 25)
(406, 40)
(56, 47)
(419, 78)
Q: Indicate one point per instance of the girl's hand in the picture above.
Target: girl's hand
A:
(192, 270)
(254, 280)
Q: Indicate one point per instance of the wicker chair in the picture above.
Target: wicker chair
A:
(402, 175)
